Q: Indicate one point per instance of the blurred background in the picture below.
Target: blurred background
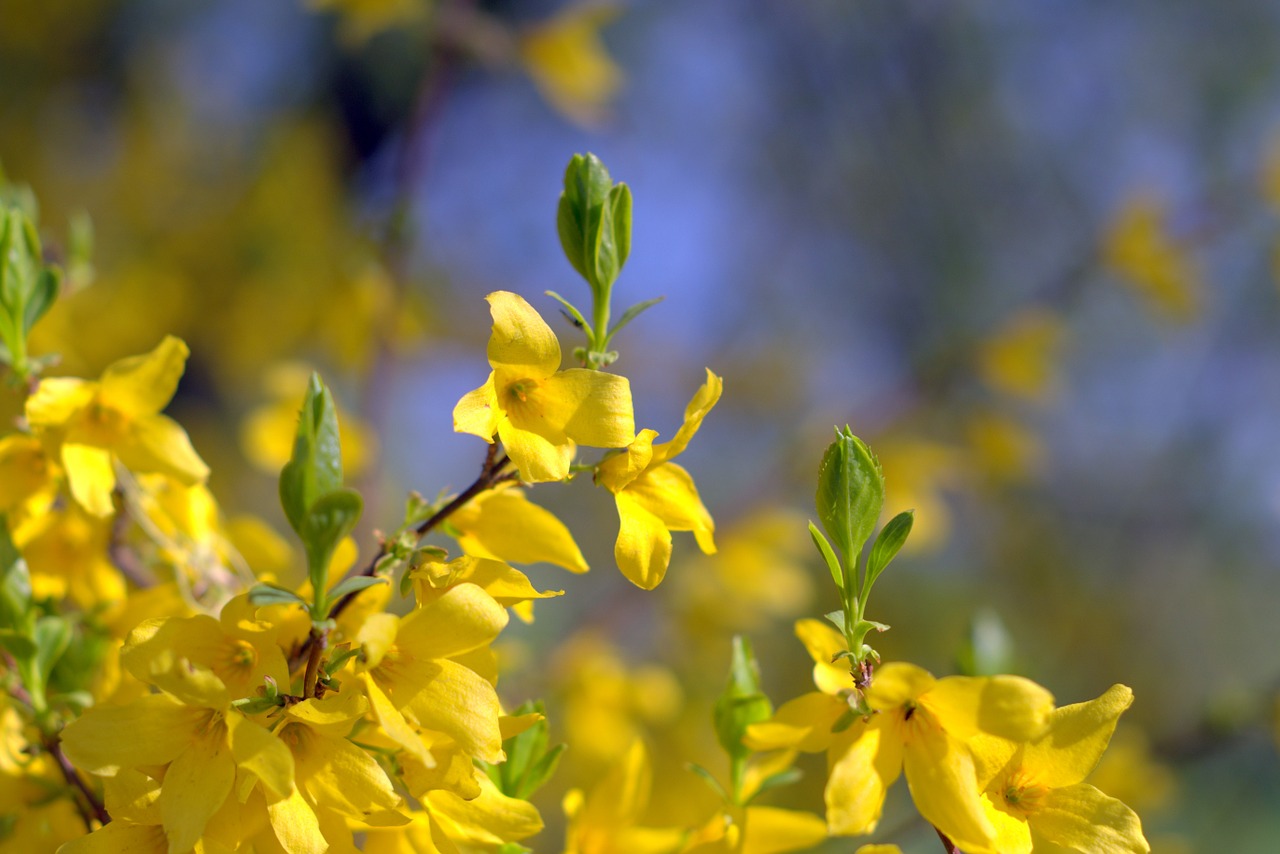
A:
(1026, 250)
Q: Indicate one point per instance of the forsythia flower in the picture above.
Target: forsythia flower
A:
(117, 418)
(604, 821)
(1140, 248)
(569, 63)
(1035, 793)
(655, 496)
(537, 410)
(503, 524)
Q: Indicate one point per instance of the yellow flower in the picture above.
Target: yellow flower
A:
(655, 496)
(758, 829)
(1021, 358)
(921, 725)
(1140, 249)
(537, 410)
(1035, 794)
(569, 63)
(604, 821)
(118, 418)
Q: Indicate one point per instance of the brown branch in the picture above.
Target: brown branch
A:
(317, 641)
(90, 808)
(947, 844)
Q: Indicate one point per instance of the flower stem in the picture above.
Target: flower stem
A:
(947, 844)
(90, 808)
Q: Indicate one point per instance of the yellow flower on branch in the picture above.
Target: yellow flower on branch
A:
(537, 410)
(1140, 248)
(502, 524)
(655, 496)
(117, 418)
(569, 63)
(1035, 794)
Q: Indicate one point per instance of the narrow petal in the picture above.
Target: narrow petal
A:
(90, 476)
(195, 785)
(1006, 706)
(538, 458)
(592, 407)
(344, 778)
(295, 825)
(333, 715)
(1013, 834)
(773, 831)
(461, 619)
(1080, 818)
(521, 342)
(489, 820)
(864, 761)
(507, 526)
(151, 730)
(259, 752)
(477, 412)
(823, 643)
(1078, 734)
(803, 723)
(944, 787)
(668, 491)
(144, 385)
(703, 400)
(159, 444)
(643, 548)
(120, 837)
(56, 399)
(617, 472)
(394, 725)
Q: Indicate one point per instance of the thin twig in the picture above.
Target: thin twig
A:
(948, 844)
(91, 809)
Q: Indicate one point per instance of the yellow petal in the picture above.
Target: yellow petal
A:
(118, 837)
(943, 784)
(24, 470)
(1006, 706)
(522, 343)
(803, 723)
(394, 725)
(703, 401)
(342, 777)
(1080, 818)
(772, 831)
(90, 476)
(507, 526)
(488, 820)
(539, 459)
(643, 548)
(1078, 734)
(144, 385)
(459, 620)
(259, 752)
(295, 825)
(618, 471)
(157, 443)
(898, 683)
(333, 715)
(1013, 834)
(195, 785)
(508, 587)
(591, 407)
(879, 848)
(56, 399)
(462, 705)
(151, 730)
(569, 63)
(863, 763)
(477, 412)
(823, 643)
(668, 492)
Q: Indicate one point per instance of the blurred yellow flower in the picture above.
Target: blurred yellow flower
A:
(1021, 358)
(569, 63)
(920, 472)
(1139, 248)
(606, 819)
(94, 424)
(1002, 448)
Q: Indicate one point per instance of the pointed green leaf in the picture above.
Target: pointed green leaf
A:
(52, 634)
(581, 213)
(710, 780)
(630, 315)
(776, 781)
(42, 296)
(352, 585)
(620, 215)
(330, 518)
(315, 469)
(16, 608)
(828, 555)
(742, 702)
(850, 493)
(891, 539)
(836, 618)
(573, 311)
(263, 594)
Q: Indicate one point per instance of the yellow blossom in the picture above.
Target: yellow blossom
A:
(605, 820)
(1021, 358)
(538, 411)
(117, 419)
(655, 496)
(1035, 795)
(569, 63)
(1140, 248)
(504, 525)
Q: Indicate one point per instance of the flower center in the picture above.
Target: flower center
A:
(1022, 794)
(105, 424)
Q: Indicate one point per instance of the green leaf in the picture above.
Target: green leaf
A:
(988, 649)
(836, 618)
(16, 608)
(710, 780)
(19, 645)
(540, 772)
(315, 469)
(891, 539)
(263, 594)
(330, 518)
(352, 585)
(573, 311)
(41, 297)
(776, 781)
(850, 493)
(828, 554)
(586, 187)
(630, 315)
(742, 702)
(51, 637)
(620, 216)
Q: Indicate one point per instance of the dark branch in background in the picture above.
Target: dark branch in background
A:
(90, 808)
(947, 844)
